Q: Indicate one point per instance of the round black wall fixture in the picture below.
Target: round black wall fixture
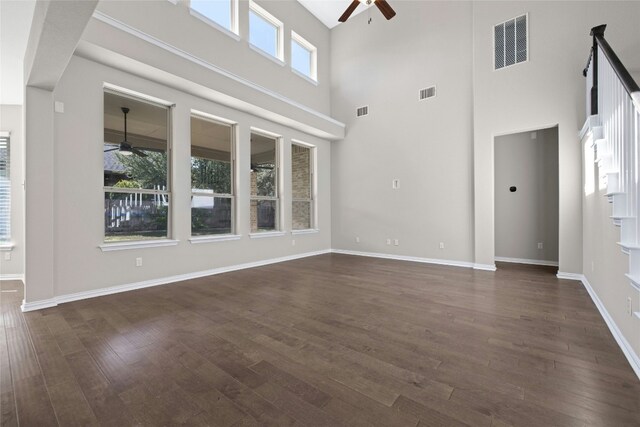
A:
(513, 188)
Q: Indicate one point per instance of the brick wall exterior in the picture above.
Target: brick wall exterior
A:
(301, 180)
(254, 203)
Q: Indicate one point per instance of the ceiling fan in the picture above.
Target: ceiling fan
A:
(125, 147)
(256, 167)
(384, 7)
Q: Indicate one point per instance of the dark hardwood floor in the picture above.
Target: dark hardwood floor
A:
(329, 340)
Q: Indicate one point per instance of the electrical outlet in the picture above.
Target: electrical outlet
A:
(357, 239)
(396, 242)
(58, 107)
(629, 306)
(388, 241)
(138, 262)
(293, 242)
(441, 245)
(540, 245)
(7, 256)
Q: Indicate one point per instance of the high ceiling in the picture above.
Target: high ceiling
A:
(15, 23)
(328, 11)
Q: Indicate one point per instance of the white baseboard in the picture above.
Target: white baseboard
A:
(405, 258)
(38, 305)
(527, 261)
(624, 345)
(12, 277)
(569, 276)
(485, 267)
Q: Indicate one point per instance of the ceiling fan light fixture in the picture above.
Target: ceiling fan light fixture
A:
(382, 5)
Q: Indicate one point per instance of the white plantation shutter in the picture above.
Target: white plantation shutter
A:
(5, 190)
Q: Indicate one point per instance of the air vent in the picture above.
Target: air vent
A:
(429, 92)
(510, 42)
(362, 111)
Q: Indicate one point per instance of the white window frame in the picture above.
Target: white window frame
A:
(313, 207)
(195, 192)
(262, 13)
(232, 32)
(6, 242)
(163, 241)
(493, 37)
(279, 230)
(313, 57)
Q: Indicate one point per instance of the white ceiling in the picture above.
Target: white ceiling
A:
(328, 11)
(15, 24)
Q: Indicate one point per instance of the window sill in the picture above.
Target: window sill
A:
(265, 234)
(267, 55)
(214, 24)
(6, 247)
(209, 239)
(304, 76)
(123, 246)
(308, 231)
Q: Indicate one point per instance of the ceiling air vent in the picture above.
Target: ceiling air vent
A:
(429, 92)
(362, 111)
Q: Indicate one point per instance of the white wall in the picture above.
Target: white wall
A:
(547, 90)
(529, 215)
(174, 25)
(604, 263)
(80, 265)
(427, 145)
(11, 120)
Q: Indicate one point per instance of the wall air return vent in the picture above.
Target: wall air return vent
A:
(511, 42)
(362, 111)
(429, 92)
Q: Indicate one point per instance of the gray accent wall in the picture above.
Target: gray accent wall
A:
(529, 215)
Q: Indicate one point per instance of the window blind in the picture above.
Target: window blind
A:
(5, 190)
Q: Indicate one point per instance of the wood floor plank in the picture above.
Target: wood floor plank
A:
(72, 409)
(327, 340)
(430, 416)
(33, 403)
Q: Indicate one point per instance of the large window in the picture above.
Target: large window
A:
(222, 13)
(303, 56)
(265, 31)
(5, 189)
(265, 193)
(136, 169)
(212, 171)
(302, 180)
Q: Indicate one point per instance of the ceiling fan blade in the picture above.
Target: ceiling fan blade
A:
(255, 167)
(138, 152)
(112, 149)
(347, 13)
(385, 8)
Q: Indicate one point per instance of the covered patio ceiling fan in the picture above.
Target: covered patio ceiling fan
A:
(255, 167)
(384, 7)
(125, 147)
